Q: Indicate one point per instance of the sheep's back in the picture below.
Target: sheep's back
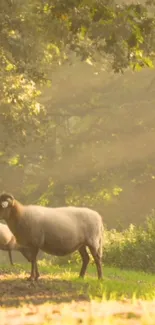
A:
(65, 222)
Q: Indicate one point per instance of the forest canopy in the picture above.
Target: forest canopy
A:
(36, 36)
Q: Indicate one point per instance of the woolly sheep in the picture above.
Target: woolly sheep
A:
(56, 231)
(8, 243)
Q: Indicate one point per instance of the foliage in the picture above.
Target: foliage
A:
(90, 29)
(133, 248)
(40, 145)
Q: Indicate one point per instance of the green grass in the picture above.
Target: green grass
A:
(116, 284)
(60, 295)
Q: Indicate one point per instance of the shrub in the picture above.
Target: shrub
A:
(133, 248)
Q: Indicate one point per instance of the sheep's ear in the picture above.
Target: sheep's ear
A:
(5, 204)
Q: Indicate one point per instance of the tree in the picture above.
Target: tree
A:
(35, 37)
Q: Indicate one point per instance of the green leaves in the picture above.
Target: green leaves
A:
(143, 61)
(132, 248)
(35, 37)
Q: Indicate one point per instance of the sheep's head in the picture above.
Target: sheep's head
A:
(6, 201)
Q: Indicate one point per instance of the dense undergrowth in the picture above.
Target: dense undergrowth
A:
(133, 248)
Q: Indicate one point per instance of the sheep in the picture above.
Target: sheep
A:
(8, 243)
(57, 231)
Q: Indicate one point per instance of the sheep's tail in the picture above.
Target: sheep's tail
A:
(101, 240)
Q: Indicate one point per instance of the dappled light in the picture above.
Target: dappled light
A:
(61, 284)
(60, 294)
(77, 130)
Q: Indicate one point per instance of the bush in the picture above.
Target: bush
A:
(133, 248)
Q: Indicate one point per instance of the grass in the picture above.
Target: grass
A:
(120, 298)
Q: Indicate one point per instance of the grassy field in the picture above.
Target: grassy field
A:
(60, 297)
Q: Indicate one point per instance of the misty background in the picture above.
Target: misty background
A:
(99, 147)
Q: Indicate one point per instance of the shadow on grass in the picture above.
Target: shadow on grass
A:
(14, 292)
(58, 284)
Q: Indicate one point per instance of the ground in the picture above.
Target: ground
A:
(122, 297)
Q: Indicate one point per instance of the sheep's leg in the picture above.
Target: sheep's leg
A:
(34, 269)
(85, 260)
(28, 255)
(32, 276)
(10, 256)
(98, 260)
